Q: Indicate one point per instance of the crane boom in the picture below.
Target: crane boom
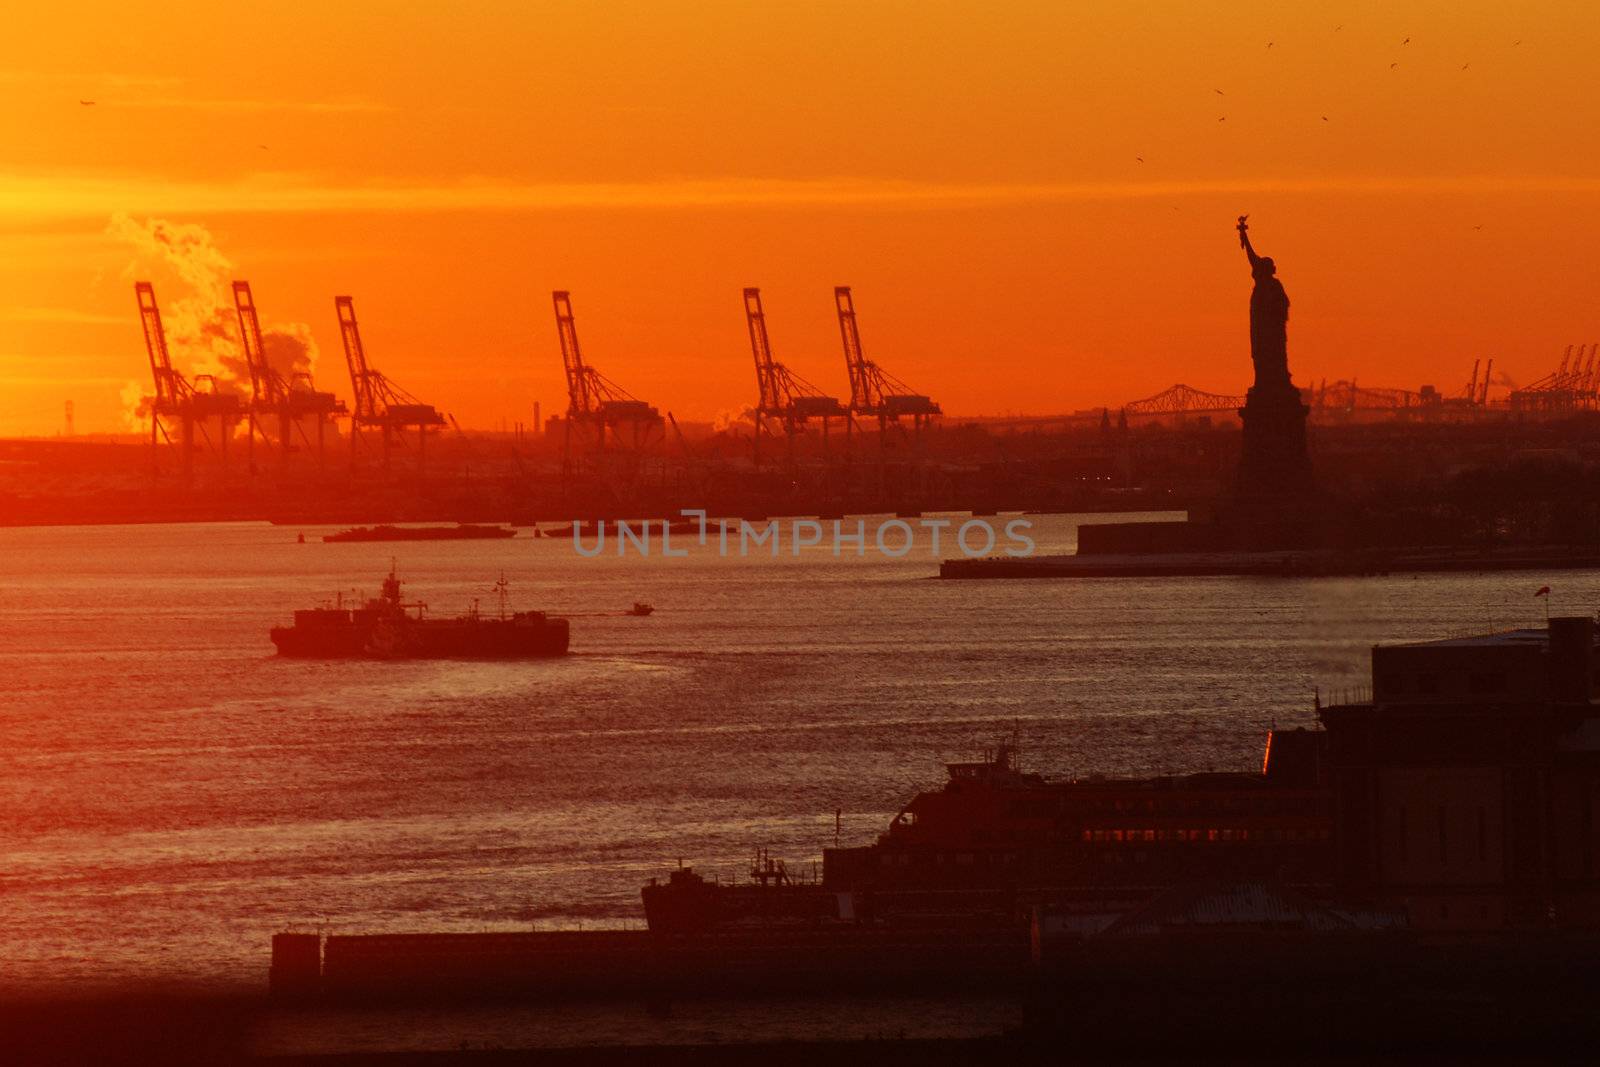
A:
(761, 348)
(170, 385)
(580, 395)
(355, 357)
(266, 385)
(860, 371)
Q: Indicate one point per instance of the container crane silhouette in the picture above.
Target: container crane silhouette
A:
(785, 399)
(873, 391)
(190, 404)
(595, 403)
(379, 403)
(290, 401)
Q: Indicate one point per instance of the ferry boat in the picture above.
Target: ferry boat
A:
(388, 628)
(996, 841)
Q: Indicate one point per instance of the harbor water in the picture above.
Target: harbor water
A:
(174, 793)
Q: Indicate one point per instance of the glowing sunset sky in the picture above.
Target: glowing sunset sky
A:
(972, 169)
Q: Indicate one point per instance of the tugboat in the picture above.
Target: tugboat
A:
(388, 628)
(640, 609)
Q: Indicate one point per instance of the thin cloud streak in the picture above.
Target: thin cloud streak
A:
(39, 197)
(110, 81)
(59, 315)
(180, 103)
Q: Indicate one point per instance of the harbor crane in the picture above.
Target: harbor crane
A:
(594, 401)
(290, 401)
(379, 403)
(190, 404)
(873, 391)
(1478, 393)
(785, 398)
(1573, 384)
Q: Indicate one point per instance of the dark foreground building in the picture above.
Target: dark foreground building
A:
(1463, 919)
(1466, 789)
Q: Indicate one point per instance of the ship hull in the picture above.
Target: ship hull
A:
(454, 639)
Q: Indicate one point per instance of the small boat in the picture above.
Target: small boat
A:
(553, 531)
(640, 608)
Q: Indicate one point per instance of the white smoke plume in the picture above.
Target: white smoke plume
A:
(730, 419)
(201, 325)
(136, 406)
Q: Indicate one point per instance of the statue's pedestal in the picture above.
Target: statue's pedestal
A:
(1272, 505)
(1274, 462)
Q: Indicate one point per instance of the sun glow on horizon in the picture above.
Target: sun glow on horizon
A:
(1034, 207)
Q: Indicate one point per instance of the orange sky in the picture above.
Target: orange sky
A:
(970, 168)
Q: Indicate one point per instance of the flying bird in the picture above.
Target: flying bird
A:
(1269, 44)
(1406, 41)
(87, 103)
(1139, 158)
(1324, 118)
(1464, 66)
(1223, 119)
(1219, 92)
(1393, 65)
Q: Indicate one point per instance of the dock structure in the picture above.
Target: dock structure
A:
(1309, 563)
(569, 963)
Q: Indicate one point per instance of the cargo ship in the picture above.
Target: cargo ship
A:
(458, 532)
(388, 628)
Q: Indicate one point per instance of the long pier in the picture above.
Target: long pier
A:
(1282, 564)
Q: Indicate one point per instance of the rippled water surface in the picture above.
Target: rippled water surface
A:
(173, 793)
